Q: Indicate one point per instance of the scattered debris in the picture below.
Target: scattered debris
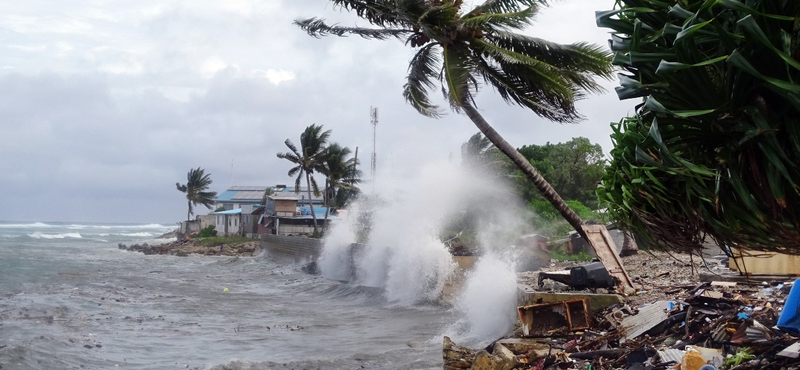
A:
(672, 322)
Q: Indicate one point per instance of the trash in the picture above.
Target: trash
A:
(792, 351)
(593, 275)
(729, 284)
(648, 317)
(224, 290)
(550, 318)
(789, 320)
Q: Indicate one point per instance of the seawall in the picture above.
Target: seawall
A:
(290, 248)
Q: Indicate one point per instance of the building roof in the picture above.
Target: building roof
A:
(229, 212)
(254, 194)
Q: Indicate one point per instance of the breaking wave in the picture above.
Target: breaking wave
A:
(39, 235)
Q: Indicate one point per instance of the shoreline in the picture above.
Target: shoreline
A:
(186, 247)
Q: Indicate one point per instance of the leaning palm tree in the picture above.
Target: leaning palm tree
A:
(341, 175)
(464, 49)
(312, 144)
(197, 183)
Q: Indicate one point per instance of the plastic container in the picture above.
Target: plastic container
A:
(789, 321)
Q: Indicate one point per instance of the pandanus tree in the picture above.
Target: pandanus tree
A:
(196, 190)
(307, 159)
(714, 147)
(464, 49)
(341, 176)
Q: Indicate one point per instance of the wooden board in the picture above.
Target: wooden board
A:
(606, 252)
(763, 263)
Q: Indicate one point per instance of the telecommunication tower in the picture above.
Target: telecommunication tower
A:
(373, 113)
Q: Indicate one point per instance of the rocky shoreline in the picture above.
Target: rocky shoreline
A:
(187, 247)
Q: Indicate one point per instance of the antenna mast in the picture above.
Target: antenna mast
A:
(373, 113)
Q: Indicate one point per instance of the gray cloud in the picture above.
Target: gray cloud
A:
(105, 106)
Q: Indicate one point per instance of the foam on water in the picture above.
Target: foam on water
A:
(40, 235)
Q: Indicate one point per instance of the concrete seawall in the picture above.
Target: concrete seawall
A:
(290, 248)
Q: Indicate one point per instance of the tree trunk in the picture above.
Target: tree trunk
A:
(525, 166)
(189, 212)
(310, 202)
(327, 203)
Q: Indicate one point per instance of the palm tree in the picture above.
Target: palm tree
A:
(460, 48)
(341, 175)
(197, 183)
(312, 144)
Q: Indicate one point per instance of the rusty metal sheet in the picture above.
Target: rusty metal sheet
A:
(648, 317)
(552, 318)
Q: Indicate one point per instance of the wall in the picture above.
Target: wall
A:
(285, 207)
(207, 220)
(290, 248)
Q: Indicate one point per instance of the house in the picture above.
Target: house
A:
(237, 196)
(240, 221)
(284, 214)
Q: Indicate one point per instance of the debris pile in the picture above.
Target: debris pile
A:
(698, 326)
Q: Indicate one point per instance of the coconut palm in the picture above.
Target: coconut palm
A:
(465, 49)
(312, 144)
(341, 176)
(197, 183)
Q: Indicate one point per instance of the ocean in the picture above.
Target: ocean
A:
(70, 299)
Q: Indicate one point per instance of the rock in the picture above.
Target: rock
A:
(486, 361)
(455, 357)
(414, 344)
(509, 361)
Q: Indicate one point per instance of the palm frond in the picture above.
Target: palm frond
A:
(317, 27)
(383, 13)
(421, 72)
(504, 6)
(581, 56)
(293, 171)
(455, 71)
(547, 77)
(513, 89)
(292, 147)
(517, 19)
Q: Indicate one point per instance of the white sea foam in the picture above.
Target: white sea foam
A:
(141, 234)
(26, 225)
(39, 235)
(489, 299)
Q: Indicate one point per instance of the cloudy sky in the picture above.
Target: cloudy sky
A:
(106, 104)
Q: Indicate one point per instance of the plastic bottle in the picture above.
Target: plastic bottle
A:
(789, 321)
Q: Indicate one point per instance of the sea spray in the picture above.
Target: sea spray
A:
(336, 259)
(488, 301)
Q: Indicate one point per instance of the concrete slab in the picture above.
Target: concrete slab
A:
(526, 295)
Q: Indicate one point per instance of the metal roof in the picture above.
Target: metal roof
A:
(248, 195)
(249, 188)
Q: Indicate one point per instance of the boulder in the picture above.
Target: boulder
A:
(486, 361)
(455, 357)
(509, 361)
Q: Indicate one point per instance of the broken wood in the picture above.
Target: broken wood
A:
(606, 251)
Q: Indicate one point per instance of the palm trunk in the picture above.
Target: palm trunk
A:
(525, 166)
(327, 203)
(310, 202)
(189, 212)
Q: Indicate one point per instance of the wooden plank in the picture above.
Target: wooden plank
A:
(764, 263)
(606, 252)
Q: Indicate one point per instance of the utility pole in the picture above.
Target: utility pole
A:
(373, 164)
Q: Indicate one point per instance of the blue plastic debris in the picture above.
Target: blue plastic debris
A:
(789, 321)
(743, 316)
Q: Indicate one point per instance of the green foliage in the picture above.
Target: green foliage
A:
(743, 355)
(207, 231)
(549, 222)
(217, 240)
(560, 253)
(714, 148)
(196, 189)
(459, 47)
(220, 209)
(573, 169)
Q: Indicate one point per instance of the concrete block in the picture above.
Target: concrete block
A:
(528, 296)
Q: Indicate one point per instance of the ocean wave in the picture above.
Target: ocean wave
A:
(26, 225)
(142, 234)
(38, 235)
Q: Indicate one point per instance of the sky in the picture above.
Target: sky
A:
(106, 104)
